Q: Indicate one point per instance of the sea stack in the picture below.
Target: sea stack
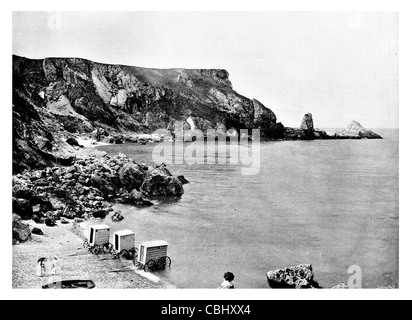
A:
(307, 123)
(356, 131)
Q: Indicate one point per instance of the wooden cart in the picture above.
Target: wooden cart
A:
(152, 255)
(98, 239)
(124, 244)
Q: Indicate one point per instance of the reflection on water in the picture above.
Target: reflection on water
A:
(330, 203)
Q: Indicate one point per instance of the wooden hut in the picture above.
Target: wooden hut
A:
(99, 235)
(124, 240)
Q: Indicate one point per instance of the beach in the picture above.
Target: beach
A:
(65, 242)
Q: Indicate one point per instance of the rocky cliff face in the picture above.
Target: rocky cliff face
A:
(55, 96)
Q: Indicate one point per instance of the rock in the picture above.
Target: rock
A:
(37, 219)
(138, 198)
(21, 231)
(99, 214)
(99, 134)
(69, 212)
(36, 209)
(161, 183)
(64, 221)
(307, 123)
(71, 169)
(22, 191)
(73, 142)
(116, 217)
(37, 231)
(340, 286)
(306, 130)
(356, 131)
(104, 187)
(298, 277)
(23, 208)
(132, 175)
(50, 221)
(68, 176)
(182, 180)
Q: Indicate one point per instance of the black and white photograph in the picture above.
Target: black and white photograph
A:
(204, 149)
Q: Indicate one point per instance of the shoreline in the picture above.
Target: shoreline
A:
(64, 241)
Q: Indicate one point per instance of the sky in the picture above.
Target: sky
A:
(339, 66)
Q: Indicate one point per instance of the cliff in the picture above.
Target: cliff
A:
(56, 96)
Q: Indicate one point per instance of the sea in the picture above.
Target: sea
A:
(331, 203)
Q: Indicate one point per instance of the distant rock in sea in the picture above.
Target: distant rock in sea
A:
(307, 122)
(356, 131)
(307, 131)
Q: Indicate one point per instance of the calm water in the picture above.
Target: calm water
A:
(330, 203)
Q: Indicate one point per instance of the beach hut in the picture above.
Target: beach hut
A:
(99, 235)
(124, 240)
(152, 250)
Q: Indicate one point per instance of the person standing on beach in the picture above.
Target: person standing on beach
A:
(228, 283)
(41, 267)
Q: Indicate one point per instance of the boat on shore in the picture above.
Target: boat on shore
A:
(70, 284)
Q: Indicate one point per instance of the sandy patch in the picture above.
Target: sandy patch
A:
(65, 242)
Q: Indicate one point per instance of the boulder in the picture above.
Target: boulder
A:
(22, 191)
(37, 231)
(138, 198)
(102, 185)
(21, 231)
(73, 142)
(356, 131)
(182, 179)
(132, 175)
(117, 217)
(99, 134)
(23, 208)
(37, 219)
(64, 221)
(50, 221)
(69, 212)
(298, 277)
(160, 182)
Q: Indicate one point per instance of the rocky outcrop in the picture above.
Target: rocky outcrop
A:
(307, 131)
(298, 277)
(21, 231)
(160, 182)
(356, 131)
(88, 188)
(132, 175)
(307, 123)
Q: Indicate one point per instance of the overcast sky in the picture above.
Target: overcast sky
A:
(338, 66)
